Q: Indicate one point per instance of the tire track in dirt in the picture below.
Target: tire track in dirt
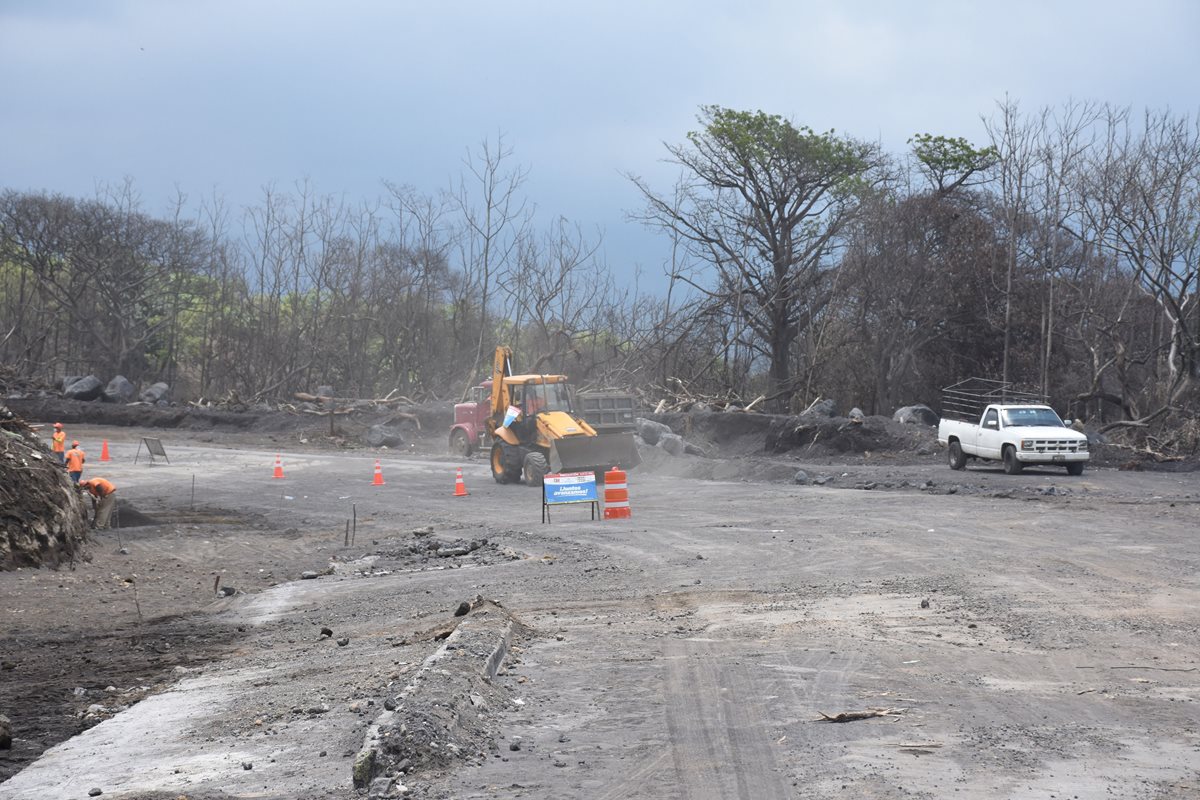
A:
(718, 723)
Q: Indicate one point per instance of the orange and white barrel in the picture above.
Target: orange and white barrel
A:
(616, 495)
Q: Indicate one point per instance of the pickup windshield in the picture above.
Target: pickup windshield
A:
(1031, 418)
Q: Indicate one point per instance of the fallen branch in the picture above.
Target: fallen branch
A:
(403, 415)
(810, 406)
(755, 402)
(854, 716)
(1145, 451)
(305, 397)
(1136, 423)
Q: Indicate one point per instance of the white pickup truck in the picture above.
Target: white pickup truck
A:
(1016, 435)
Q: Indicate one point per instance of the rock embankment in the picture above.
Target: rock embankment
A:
(42, 520)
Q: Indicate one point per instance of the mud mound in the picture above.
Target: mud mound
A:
(718, 432)
(433, 418)
(730, 434)
(128, 516)
(144, 416)
(839, 435)
(41, 516)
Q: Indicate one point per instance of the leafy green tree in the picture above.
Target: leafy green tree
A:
(950, 162)
(763, 203)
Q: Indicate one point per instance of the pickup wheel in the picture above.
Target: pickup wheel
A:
(1075, 468)
(957, 459)
(1012, 466)
(460, 443)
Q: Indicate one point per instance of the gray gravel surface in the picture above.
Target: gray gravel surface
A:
(690, 651)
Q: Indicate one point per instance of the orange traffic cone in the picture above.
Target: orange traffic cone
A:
(278, 466)
(104, 451)
(378, 474)
(460, 488)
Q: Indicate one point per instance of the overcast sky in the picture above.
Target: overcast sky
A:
(229, 96)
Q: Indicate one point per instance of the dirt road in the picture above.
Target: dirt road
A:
(686, 653)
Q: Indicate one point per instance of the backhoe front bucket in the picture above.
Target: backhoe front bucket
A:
(594, 453)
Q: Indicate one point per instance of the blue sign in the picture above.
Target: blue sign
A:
(570, 487)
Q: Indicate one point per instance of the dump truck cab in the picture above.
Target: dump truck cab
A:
(469, 432)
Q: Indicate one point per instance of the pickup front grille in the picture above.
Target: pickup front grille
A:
(1053, 446)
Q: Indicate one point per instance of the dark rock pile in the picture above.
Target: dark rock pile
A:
(42, 519)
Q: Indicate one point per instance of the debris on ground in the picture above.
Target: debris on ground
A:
(840, 435)
(854, 716)
(446, 714)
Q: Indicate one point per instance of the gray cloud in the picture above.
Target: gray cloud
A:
(237, 95)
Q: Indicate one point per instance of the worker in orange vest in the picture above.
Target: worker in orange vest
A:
(104, 497)
(59, 442)
(75, 459)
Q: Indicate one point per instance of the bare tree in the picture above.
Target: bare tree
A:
(494, 219)
(1147, 193)
(1013, 137)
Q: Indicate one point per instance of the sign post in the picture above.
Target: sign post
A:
(569, 487)
(154, 447)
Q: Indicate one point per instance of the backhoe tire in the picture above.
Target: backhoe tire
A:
(1012, 466)
(501, 460)
(460, 443)
(1075, 468)
(957, 459)
(535, 468)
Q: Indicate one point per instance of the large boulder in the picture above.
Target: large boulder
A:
(119, 390)
(383, 436)
(651, 431)
(70, 379)
(155, 392)
(916, 415)
(88, 388)
(821, 408)
(673, 443)
(856, 414)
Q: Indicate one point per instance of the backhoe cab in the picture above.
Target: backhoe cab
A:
(534, 429)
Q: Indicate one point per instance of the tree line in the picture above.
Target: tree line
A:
(1062, 253)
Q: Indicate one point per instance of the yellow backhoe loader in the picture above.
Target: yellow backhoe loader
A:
(534, 429)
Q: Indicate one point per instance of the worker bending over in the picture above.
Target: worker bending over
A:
(104, 496)
(75, 459)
